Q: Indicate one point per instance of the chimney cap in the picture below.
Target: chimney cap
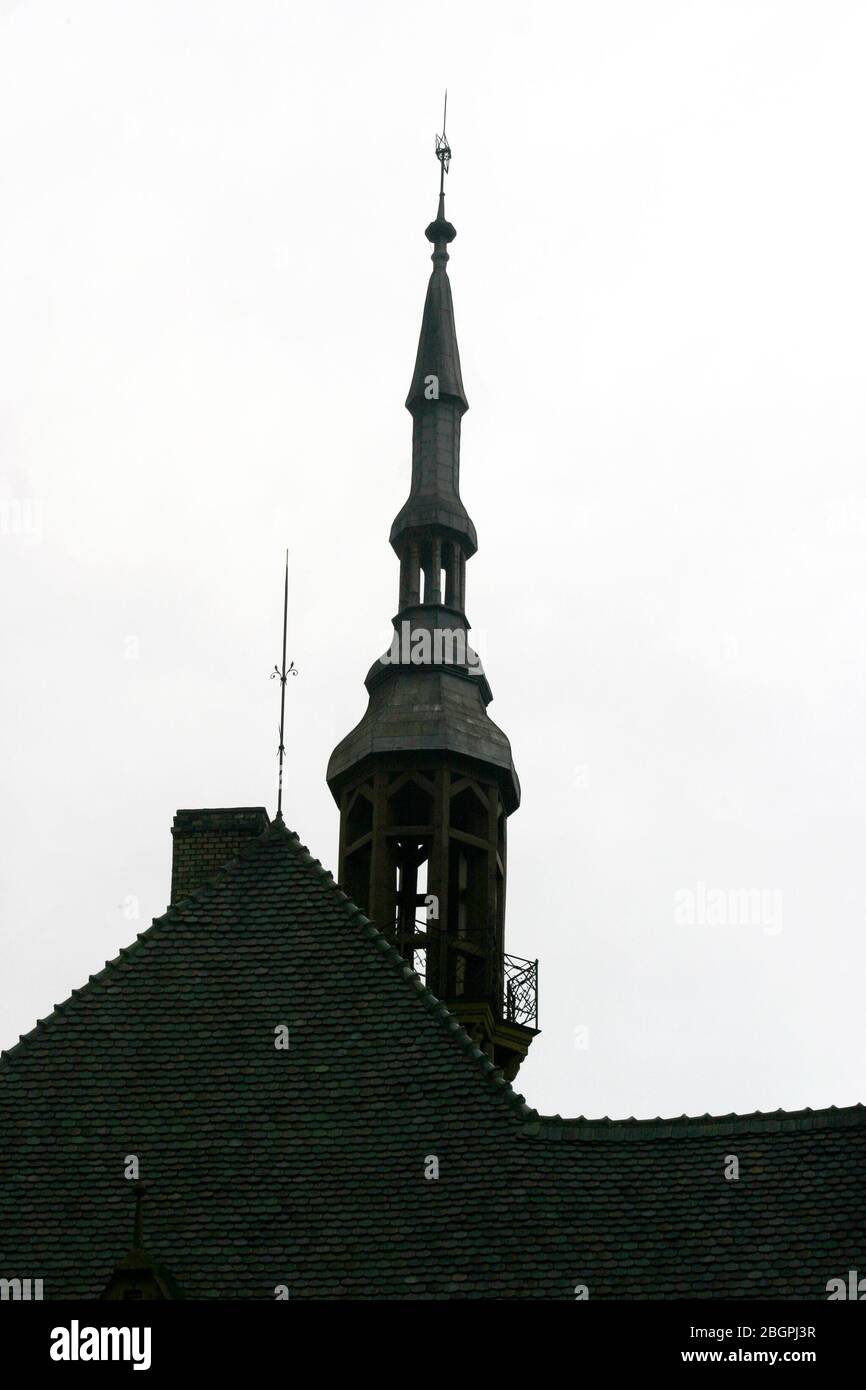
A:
(249, 820)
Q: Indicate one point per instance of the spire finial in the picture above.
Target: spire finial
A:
(283, 673)
(440, 232)
(443, 154)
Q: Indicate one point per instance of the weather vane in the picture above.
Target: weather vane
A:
(283, 675)
(443, 149)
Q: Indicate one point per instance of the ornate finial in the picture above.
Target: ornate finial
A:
(443, 153)
(283, 674)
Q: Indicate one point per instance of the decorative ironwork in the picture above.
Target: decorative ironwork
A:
(521, 991)
(443, 149)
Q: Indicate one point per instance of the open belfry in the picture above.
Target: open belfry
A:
(426, 782)
(310, 1077)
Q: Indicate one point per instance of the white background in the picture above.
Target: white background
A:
(212, 270)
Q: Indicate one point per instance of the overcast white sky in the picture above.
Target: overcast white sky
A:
(212, 270)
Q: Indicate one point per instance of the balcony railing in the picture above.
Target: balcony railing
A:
(521, 991)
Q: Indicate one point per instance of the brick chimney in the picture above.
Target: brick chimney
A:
(205, 840)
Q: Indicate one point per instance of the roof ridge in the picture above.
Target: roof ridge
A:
(756, 1121)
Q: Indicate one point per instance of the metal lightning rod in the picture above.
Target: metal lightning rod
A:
(283, 673)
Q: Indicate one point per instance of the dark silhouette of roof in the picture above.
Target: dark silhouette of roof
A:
(305, 1167)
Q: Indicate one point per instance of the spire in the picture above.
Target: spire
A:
(138, 1275)
(438, 356)
(426, 781)
(433, 537)
(437, 402)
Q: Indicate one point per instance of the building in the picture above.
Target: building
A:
(314, 1084)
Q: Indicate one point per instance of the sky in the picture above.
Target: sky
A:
(212, 271)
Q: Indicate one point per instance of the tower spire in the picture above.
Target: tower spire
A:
(138, 1275)
(436, 398)
(426, 781)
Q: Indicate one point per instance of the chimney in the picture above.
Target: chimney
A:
(205, 840)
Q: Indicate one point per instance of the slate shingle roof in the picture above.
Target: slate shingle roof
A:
(306, 1167)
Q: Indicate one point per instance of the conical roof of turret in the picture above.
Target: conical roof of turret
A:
(438, 354)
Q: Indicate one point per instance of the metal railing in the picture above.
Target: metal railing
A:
(521, 991)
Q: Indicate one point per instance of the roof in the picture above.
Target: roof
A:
(437, 402)
(438, 354)
(305, 1167)
(413, 711)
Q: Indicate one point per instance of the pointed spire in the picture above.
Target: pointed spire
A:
(438, 355)
(437, 402)
(138, 1275)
